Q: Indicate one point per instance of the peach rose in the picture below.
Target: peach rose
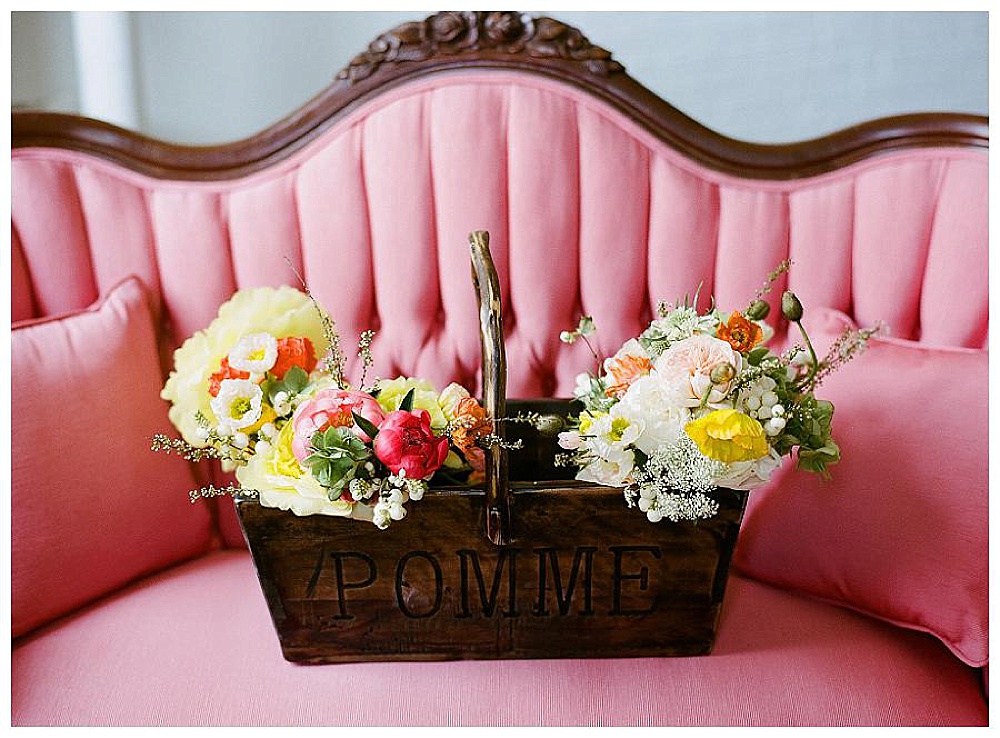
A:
(687, 367)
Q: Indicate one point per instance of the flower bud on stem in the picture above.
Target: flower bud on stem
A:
(758, 310)
(791, 308)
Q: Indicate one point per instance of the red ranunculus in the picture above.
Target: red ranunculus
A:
(294, 351)
(405, 441)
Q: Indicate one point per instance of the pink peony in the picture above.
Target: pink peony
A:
(406, 442)
(332, 407)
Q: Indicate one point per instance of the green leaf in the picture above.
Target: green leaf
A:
(295, 380)
(757, 355)
(817, 460)
(368, 427)
(407, 403)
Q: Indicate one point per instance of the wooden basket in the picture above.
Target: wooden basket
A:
(529, 566)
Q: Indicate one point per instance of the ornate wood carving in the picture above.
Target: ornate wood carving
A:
(475, 33)
(449, 42)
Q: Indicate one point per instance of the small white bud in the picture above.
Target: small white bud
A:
(777, 411)
(769, 398)
(201, 433)
(262, 447)
(241, 439)
(654, 516)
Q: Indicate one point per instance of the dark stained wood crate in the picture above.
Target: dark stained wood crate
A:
(528, 566)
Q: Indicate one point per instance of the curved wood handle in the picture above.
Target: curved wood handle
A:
(494, 374)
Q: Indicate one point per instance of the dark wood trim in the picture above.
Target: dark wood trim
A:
(457, 41)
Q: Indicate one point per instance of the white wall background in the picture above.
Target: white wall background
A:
(207, 77)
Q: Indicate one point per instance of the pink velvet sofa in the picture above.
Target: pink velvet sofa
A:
(858, 601)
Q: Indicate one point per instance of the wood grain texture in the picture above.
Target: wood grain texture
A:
(457, 41)
(582, 575)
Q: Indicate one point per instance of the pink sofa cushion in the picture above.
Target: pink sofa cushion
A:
(901, 531)
(92, 507)
(195, 646)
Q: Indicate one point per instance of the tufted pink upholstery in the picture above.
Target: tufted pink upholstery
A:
(544, 168)
(588, 213)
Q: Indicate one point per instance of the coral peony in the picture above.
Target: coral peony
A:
(332, 407)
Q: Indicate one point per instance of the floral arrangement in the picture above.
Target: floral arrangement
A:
(697, 402)
(263, 389)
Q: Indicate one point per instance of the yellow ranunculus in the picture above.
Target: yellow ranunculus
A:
(728, 435)
(281, 312)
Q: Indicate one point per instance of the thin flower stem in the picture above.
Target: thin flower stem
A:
(814, 360)
(597, 357)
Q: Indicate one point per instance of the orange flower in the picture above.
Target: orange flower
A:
(470, 424)
(294, 351)
(225, 372)
(625, 371)
(740, 333)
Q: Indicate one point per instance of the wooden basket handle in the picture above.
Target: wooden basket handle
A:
(494, 375)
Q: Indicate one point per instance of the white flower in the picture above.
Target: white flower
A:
(650, 403)
(678, 324)
(387, 509)
(237, 406)
(611, 471)
(570, 440)
(750, 474)
(254, 353)
(631, 347)
(449, 398)
(587, 386)
(612, 433)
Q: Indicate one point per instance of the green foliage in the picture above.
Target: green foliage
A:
(295, 381)
(337, 457)
(368, 427)
(407, 403)
(756, 355)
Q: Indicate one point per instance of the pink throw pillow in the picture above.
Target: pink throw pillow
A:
(901, 531)
(92, 506)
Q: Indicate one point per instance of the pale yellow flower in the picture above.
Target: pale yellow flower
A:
(281, 312)
(425, 397)
(283, 483)
(728, 435)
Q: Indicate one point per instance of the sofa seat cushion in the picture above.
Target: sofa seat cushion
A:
(194, 646)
